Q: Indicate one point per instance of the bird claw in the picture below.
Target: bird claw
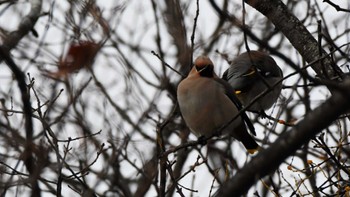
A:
(202, 140)
(262, 114)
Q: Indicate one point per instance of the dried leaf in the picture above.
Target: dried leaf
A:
(80, 55)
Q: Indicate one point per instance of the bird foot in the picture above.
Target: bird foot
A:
(262, 114)
(202, 140)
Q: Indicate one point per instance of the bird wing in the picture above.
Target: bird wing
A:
(229, 91)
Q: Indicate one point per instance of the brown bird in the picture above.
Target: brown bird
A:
(208, 103)
(252, 73)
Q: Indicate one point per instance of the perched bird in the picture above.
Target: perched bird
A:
(208, 105)
(250, 74)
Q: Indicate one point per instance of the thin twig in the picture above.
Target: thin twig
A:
(194, 29)
(167, 65)
(337, 7)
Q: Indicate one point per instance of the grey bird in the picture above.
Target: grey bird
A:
(250, 74)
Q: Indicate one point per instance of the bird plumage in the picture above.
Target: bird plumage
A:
(252, 73)
(207, 103)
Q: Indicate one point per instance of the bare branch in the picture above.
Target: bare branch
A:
(337, 7)
(288, 143)
(26, 25)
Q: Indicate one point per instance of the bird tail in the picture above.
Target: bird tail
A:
(250, 144)
(247, 140)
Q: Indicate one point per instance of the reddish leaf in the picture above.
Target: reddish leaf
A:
(80, 55)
